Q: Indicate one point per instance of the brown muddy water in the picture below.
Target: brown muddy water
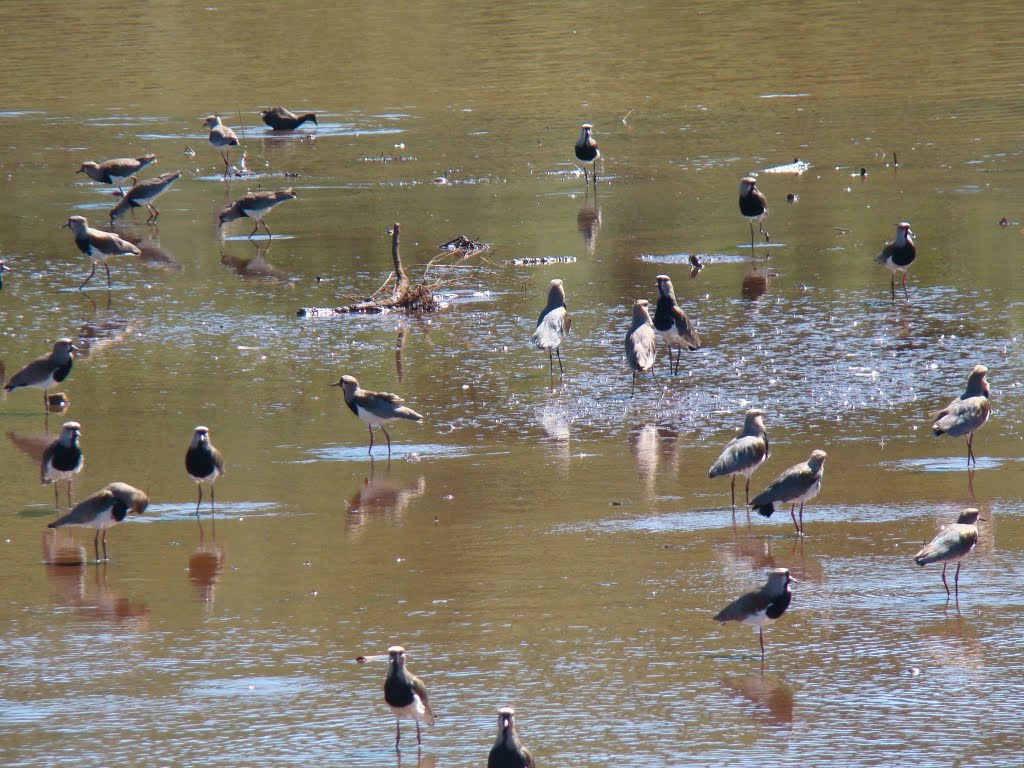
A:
(558, 549)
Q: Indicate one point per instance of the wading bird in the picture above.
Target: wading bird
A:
(255, 205)
(761, 606)
(116, 171)
(405, 694)
(46, 371)
(62, 460)
(966, 414)
(587, 151)
(672, 324)
(221, 137)
(553, 326)
(103, 510)
(374, 407)
(98, 245)
(508, 751)
(204, 464)
(641, 343)
(798, 484)
(281, 119)
(753, 207)
(952, 545)
(144, 193)
(744, 453)
(898, 255)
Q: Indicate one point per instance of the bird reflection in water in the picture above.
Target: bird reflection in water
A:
(87, 591)
(205, 564)
(153, 254)
(588, 221)
(256, 267)
(555, 421)
(422, 761)
(105, 329)
(771, 696)
(755, 284)
(381, 496)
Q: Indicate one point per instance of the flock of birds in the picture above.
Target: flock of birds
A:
(404, 693)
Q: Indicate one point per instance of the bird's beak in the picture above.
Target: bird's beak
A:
(375, 657)
(76, 349)
(80, 171)
(65, 225)
(336, 384)
(793, 581)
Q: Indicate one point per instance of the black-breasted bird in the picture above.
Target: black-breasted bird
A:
(898, 255)
(761, 606)
(952, 545)
(672, 324)
(204, 464)
(143, 194)
(116, 171)
(508, 751)
(405, 694)
(281, 119)
(587, 151)
(744, 453)
(641, 343)
(3, 268)
(553, 326)
(798, 484)
(753, 207)
(103, 510)
(374, 407)
(966, 414)
(221, 138)
(255, 205)
(98, 244)
(62, 460)
(46, 371)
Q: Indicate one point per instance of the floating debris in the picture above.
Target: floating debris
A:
(797, 167)
(541, 261)
(387, 159)
(792, 197)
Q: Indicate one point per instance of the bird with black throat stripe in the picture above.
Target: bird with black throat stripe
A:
(46, 371)
(103, 510)
(375, 408)
(405, 695)
(204, 464)
(672, 324)
(586, 151)
(762, 606)
(955, 542)
(967, 413)
(753, 207)
(744, 453)
(898, 255)
(62, 460)
(798, 484)
(508, 751)
(98, 245)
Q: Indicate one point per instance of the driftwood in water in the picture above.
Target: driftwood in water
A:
(404, 297)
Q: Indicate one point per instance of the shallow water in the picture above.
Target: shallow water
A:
(556, 548)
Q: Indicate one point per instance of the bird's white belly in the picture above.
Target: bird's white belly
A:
(757, 620)
(254, 213)
(414, 711)
(372, 418)
(809, 494)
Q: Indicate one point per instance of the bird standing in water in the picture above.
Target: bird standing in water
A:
(641, 343)
(798, 484)
(374, 407)
(672, 324)
(898, 255)
(221, 137)
(204, 464)
(761, 606)
(553, 326)
(255, 205)
(405, 695)
(753, 207)
(281, 119)
(744, 453)
(968, 413)
(587, 151)
(144, 193)
(62, 460)
(98, 245)
(953, 544)
(46, 371)
(103, 510)
(116, 171)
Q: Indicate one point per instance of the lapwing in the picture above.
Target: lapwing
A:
(952, 545)
(587, 151)
(103, 510)
(221, 138)
(744, 453)
(641, 343)
(553, 326)
(753, 207)
(405, 695)
(46, 371)
(204, 464)
(281, 119)
(116, 171)
(898, 255)
(98, 245)
(374, 408)
(762, 606)
(255, 205)
(62, 460)
(672, 324)
(798, 484)
(966, 414)
(144, 193)
(508, 751)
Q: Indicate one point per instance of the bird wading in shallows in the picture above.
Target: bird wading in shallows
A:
(103, 510)
(672, 324)
(62, 460)
(641, 343)
(204, 464)
(374, 407)
(798, 484)
(952, 545)
(98, 245)
(46, 371)
(221, 138)
(967, 413)
(898, 255)
(753, 207)
(586, 150)
(553, 326)
(255, 206)
(761, 606)
(405, 695)
(744, 453)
